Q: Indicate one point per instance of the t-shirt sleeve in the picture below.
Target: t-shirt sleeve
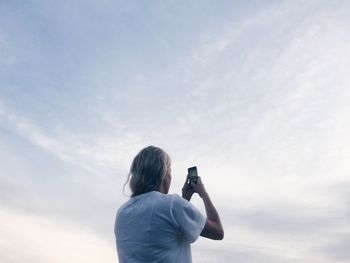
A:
(188, 220)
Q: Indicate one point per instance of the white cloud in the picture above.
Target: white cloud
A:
(31, 238)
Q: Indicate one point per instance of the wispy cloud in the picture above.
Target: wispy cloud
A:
(88, 151)
(256, 96)
(275, 125)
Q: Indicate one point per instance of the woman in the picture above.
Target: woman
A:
(154, 226)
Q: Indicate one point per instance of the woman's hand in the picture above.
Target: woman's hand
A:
(187, 191)
(199, 188)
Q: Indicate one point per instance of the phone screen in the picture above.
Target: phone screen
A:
(192, 174)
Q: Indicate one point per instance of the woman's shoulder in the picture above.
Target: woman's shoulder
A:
(175, 201)
(166, 197)
(169, 200)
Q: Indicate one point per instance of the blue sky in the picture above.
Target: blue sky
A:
(255, 94)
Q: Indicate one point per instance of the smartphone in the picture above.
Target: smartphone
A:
(192, 175)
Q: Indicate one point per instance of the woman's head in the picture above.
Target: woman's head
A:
(150, 171)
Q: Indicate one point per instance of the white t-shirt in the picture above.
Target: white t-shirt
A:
(156, 227)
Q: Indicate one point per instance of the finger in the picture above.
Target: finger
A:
(194, 185)
(186, 180)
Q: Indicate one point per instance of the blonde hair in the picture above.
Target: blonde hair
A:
(147, 170)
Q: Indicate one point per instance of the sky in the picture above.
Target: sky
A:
(255, 93)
